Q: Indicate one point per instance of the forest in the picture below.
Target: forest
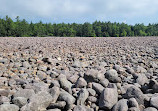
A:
(22, 28)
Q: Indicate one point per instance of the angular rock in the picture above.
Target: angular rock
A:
(65, 84)
(4, 92)
(154, 101)
(19, 101)
(133, 109)
(93, 75)
(54, 92)
(150, 109)
(4, 99)
(40, 86)
(112, 75)
(92, 92)
(9, 107)
(58, 104)
(39, 101)
(81, 83)
(82, 108)
(68, 98)
(83, 95)
(135, 92)
(108, 98)
(121, 105)
(141, 79)
(97, 87)
(26, 93)
(133, 103)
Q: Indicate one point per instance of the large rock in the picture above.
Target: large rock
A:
(108, 98)
(38, 102)
(154, 101)
(65, 84)
(26, 93)
(97, 87)
(135, 92)
(141, 79)
(58, 104)
(93, 75)
(83, 95)
(112, 75)
(133, 103)
(54, 92)
(150, 109)
(65, 96)
(81, 83)
(121, 105)
(82, 108)
(4, 92)
(40, 86)
(19, 101)
(9, 107)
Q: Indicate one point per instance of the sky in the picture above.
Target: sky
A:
(80, 11)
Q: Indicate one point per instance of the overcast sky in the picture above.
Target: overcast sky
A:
(80, 11)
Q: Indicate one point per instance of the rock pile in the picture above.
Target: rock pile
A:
(59, 74)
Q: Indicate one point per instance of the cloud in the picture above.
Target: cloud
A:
(79, 10)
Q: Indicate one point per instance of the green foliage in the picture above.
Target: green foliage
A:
(21, 28)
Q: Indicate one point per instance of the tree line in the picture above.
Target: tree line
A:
(22, 28)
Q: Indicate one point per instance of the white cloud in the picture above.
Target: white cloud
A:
(79, 9)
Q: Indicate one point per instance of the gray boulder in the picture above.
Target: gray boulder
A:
(19, 101)
(9, 107)
(150, 109)
(82, 108)
(154, 101)
(83, 95)
(108, 98)
(54, 92)
(68, 98)
(133, 103)
(81, 83)
(112, 75)
(39, 101)
(97, 87)
(135, 92)
(121, 105)
(142, 79)
(26, 93)
(65, 84)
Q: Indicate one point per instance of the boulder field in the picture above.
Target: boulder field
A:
(79, 74)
